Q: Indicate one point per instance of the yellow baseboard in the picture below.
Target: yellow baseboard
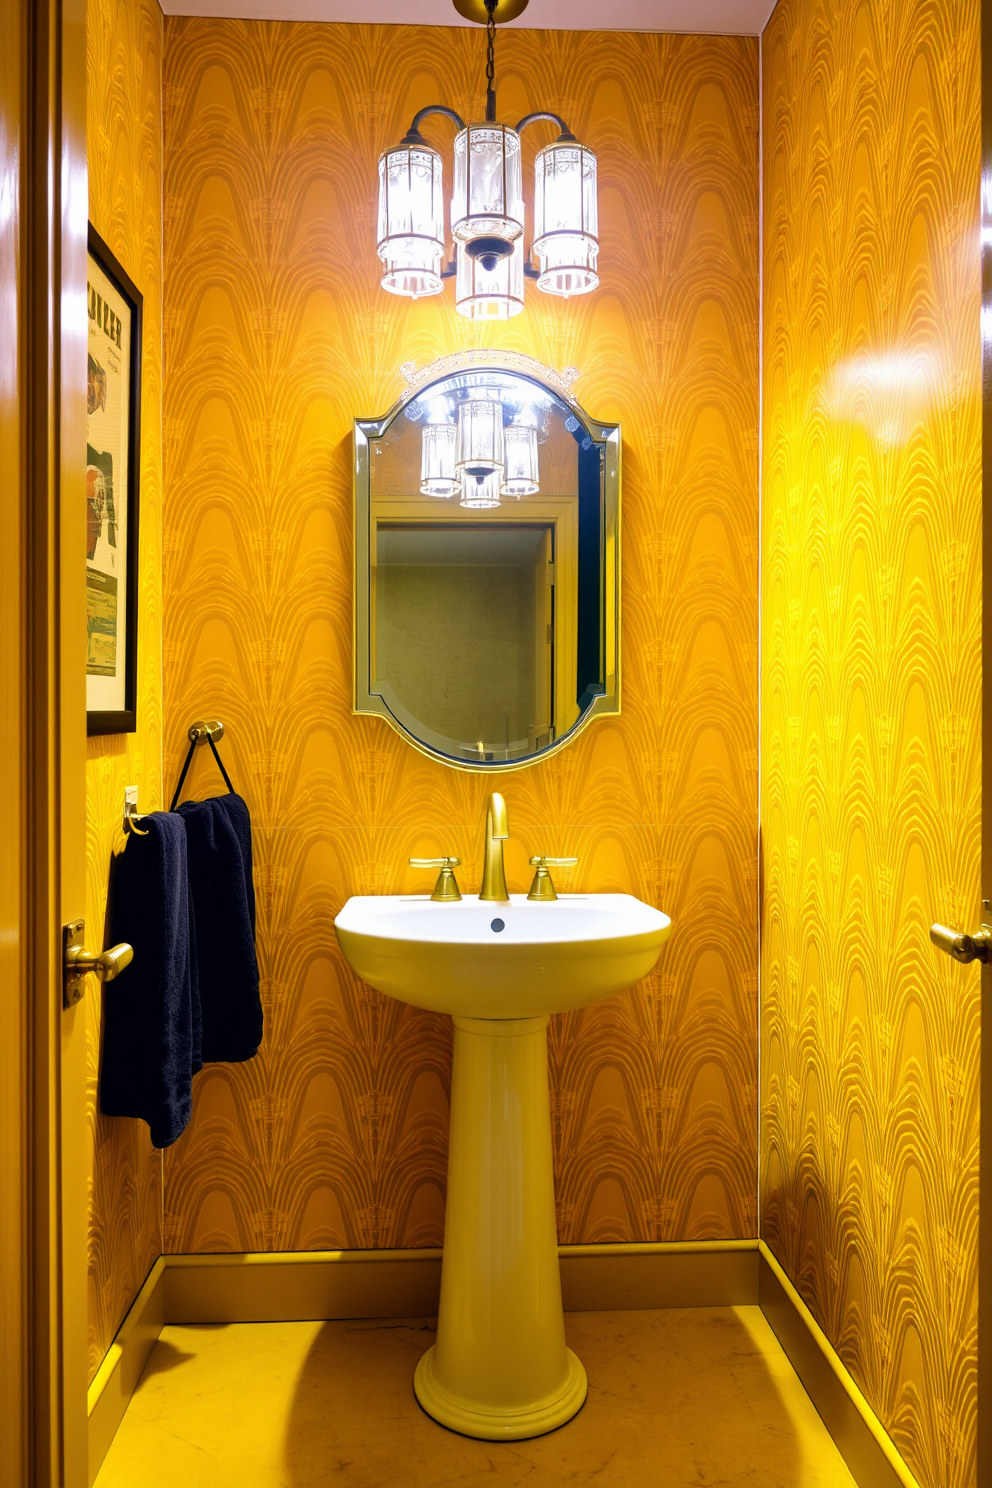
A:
(301, 1286)
(702, 1273)
(117, 1378)
(308, 1285)
(861, 1438)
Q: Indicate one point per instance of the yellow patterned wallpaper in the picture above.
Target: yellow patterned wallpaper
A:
(276, 336)
(124, 146)
(871, 696)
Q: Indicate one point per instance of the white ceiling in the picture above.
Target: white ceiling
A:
(723, 17)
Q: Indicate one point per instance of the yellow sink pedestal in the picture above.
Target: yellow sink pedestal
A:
(500, 1369)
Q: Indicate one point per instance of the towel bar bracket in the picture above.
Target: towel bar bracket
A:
(131, 816)
(205, 729)
(77, 961)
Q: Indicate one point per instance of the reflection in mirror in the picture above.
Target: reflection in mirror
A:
(486, 567)
(463, 615)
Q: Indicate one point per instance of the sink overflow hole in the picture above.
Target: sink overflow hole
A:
(497, 925)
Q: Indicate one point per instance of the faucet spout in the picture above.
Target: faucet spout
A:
(497, 831)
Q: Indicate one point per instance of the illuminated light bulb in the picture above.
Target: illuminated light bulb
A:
(489, 294)
(566, 218)
(411, 221)
(480, 492)
(479, 447)
(487, 203)
(520, 448)
(438, 476)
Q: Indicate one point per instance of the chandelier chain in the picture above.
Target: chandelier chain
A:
(491, 59)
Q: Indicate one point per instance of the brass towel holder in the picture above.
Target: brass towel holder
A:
(203, 731)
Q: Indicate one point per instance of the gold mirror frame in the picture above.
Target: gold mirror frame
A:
(604, 704)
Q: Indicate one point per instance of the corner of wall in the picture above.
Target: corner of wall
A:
(124, 146)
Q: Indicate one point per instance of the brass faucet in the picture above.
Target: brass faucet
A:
(446, 889)
(542, 889)
(497, 831)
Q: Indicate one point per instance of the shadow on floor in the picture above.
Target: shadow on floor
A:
(700, 1396)
(165, 1356)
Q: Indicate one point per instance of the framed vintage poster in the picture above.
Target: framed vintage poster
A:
(113, 424)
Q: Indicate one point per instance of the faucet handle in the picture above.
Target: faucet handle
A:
(446, 890)
(542, 888)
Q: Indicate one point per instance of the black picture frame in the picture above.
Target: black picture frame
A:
(125, 720)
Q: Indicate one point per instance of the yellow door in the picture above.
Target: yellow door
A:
(977, 946)
(14, 1123)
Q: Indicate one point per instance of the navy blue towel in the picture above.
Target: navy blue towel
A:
(151, 1036)
(218, 845)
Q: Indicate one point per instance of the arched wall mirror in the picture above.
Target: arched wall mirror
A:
(487, 563)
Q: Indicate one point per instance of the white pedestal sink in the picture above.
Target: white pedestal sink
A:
(500, 1368)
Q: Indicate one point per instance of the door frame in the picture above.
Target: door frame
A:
(984, 1403)
(43, 1152)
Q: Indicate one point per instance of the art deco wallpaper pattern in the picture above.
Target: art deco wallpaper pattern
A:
(276, 336)
(124, 146)
(871, 693)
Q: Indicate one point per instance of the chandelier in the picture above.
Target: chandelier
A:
(484, 455)
(487, 205)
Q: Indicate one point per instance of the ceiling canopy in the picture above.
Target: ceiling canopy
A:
(722, 17)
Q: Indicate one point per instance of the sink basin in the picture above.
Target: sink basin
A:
(515, 960)
(500, 1369)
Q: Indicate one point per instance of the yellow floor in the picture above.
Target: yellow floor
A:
(691, 1398)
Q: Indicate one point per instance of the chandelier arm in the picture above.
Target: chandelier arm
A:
(413, 135)
(566, 133)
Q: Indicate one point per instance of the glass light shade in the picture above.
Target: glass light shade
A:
(488, 197)
(479, 446)
(489, 294)
(480, 492)
(438, 476)
(566, 219)
(411, 220)
(520, 448)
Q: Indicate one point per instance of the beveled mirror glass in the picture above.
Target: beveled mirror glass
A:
(486, 563)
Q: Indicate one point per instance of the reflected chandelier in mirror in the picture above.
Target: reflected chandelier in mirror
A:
(487, 562)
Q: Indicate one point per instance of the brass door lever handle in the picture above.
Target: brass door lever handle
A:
(77, 961)
(106, 964)
(963, 947)
(446, 890)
